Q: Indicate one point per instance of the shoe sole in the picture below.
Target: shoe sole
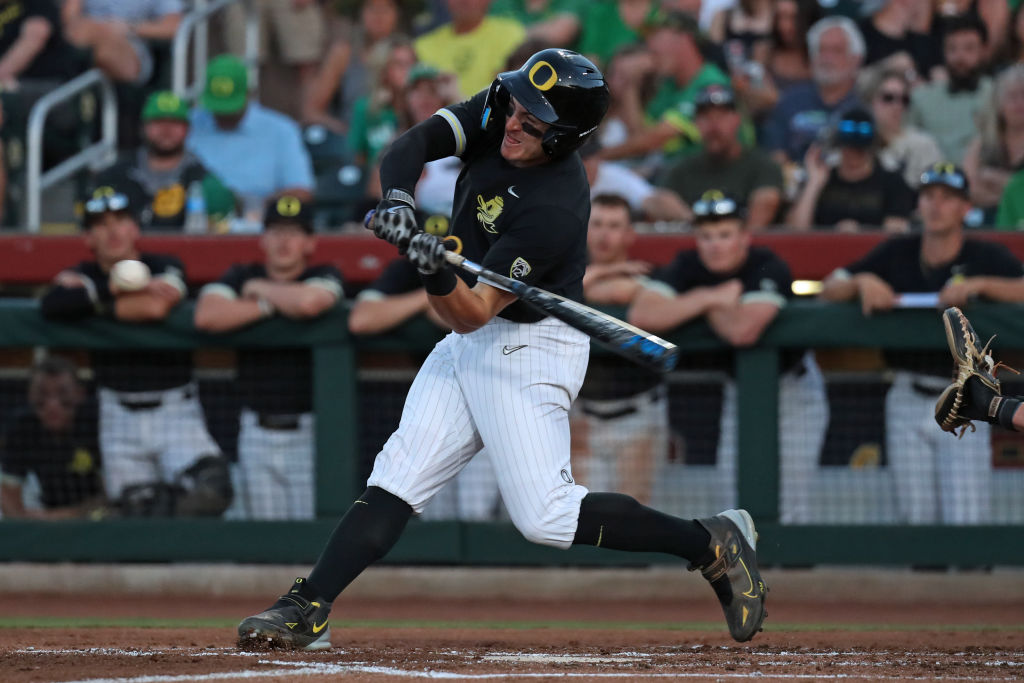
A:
(262, 635)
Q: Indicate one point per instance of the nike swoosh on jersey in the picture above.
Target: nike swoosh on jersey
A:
(512, 349)
(512, 191)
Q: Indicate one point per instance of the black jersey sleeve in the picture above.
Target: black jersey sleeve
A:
(230, 284)
(77, 303)
(470, 122)
(1000, 261)
(402, 163)
(538, 241)
(767, 280)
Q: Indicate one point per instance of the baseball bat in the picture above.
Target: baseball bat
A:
(619, 336)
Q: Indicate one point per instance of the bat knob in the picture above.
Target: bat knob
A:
(368, 219)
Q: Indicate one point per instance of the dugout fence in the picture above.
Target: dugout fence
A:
(850, 524)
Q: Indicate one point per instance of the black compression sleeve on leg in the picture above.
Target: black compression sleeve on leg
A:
(619, 522)
(364, 535)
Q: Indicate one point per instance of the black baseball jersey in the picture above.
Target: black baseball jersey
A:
(67, 465)
(128, 369)
(529, 224)
(277, 381)
(765, 277)
(898, 262)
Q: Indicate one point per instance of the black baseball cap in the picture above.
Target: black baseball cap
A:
(714, 205)
(288, 209)
(103, 200)
(715, 95)
(947, 174)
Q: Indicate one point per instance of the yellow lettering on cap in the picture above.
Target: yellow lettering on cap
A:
(289, 206)
(551, 79)
(222, 86)
(167, 101)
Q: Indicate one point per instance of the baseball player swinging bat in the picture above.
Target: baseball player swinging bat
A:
(628, 341)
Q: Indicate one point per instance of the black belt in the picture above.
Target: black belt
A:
(140, 405)
(281, 422)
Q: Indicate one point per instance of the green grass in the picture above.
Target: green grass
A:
(230, 624)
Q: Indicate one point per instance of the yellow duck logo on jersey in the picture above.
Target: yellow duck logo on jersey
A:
(488, 212)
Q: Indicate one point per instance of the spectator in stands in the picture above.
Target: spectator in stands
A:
(343, 76)
(32, 46)
(739, 289)
(998, 149)
(619, 422)
(159, 176)
(743, 31)
(395, 297)
(612, 178)
(631, 82)
(675, 42)
(555, 23)
(55, 439)
(276, 439)
(610, 25)
(905, 149)
(375, 117)
(892, 42)
(299, 38)
(992, 15)
(789, 61)
(836, 50)
(947, 110)
(1010, 215)
(746, 173)
(158, 458)
(1014, 53)
(473, 46)
(858, 193)
(256, 152)
(117, 33)
(937, 479)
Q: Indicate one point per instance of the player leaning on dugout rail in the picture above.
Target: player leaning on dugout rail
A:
(504, 378)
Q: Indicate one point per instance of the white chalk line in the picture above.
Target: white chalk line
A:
(285, 668)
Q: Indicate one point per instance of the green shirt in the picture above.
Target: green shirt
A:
(602, 31)
(517, 9)
(696, 174)
(1011, 207)
(371, 131)
(675, 105)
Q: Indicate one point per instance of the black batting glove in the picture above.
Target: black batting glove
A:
(426, 252)
(394, 220)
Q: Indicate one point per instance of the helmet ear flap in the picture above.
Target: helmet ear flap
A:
(496, 104)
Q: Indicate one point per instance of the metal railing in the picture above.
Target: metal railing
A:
(100, 152)
(196, 23)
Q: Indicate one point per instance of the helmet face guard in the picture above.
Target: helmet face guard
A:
(559, 87)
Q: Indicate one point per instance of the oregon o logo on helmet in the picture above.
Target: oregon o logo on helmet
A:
(551, 79)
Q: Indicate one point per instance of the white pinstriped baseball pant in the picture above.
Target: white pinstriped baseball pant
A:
(507, 386)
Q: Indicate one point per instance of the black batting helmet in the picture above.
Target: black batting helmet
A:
(561, 88)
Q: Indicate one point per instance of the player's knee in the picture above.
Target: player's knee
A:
(539, 531)
(206, 489)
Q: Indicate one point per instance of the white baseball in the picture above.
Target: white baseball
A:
(129, 275)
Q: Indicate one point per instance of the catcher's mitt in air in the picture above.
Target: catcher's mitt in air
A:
(975, 393)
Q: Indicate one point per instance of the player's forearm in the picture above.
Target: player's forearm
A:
(463, 309)
(738, 325)
(642, 143)
(375, 316)
(30, 43)
(1004, 289)
(140, 307)
(837, 288)
(657, 313)
(218, 314)
(297, 300)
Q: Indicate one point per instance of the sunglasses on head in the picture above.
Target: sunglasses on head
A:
(891, 98)
(862, 129)
(948, 178)
(108, 202)
(715, 208)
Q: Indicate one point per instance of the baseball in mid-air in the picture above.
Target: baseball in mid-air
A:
(129, 275)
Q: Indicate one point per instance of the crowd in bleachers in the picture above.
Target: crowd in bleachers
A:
(904, 116)
(840, 106)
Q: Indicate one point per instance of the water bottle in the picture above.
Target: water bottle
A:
(196, 221)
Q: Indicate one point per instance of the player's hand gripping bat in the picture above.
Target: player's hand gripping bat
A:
(624, 339)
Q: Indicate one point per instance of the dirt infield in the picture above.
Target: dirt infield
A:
(400, 640)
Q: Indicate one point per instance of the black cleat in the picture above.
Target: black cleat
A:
(733, 572)
(292, 623)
